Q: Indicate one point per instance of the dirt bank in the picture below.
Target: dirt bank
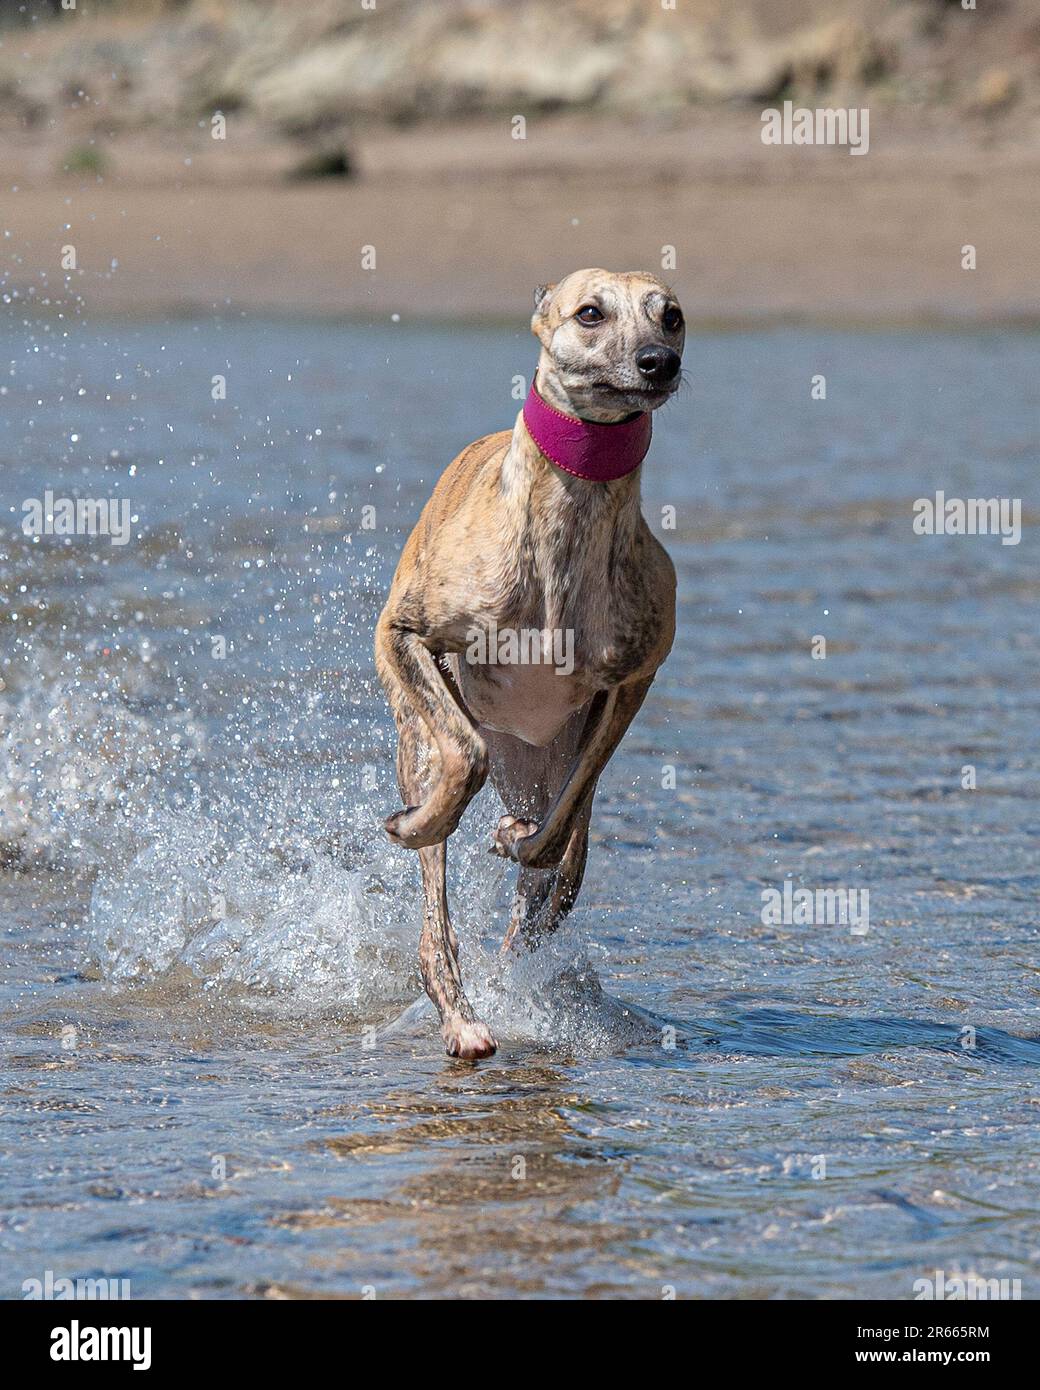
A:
(465, 220)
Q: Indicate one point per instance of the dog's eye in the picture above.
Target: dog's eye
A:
(589, 314)
(672, 319)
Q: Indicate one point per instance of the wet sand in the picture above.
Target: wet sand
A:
(465, 221)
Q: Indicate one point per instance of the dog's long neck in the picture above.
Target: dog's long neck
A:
(572, 538)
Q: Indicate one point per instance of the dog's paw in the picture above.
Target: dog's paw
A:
(508, 834)
(411, 829)
(397, 826)
(469, 1039)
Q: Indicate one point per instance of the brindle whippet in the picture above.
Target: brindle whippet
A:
(535, 528)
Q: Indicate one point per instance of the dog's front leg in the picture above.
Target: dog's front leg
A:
(541, 846)
(409, 671)
(465, 1035)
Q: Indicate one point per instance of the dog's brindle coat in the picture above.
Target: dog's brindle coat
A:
(507, 538)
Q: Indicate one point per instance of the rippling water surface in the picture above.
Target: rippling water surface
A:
(220, 1078)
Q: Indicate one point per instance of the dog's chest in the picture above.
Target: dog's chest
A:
(568, 619)
(530, 700)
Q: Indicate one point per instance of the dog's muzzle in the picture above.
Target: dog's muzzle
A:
(658, 365)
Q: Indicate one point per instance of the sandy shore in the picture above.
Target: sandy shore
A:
(465, 221)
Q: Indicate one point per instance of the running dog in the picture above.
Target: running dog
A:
(532, 543)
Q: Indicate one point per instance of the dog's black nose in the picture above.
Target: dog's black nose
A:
(659, 365)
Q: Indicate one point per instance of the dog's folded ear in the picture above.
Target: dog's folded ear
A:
(541, 298)
(539, 319)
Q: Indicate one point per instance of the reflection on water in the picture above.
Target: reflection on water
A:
(220, 1078)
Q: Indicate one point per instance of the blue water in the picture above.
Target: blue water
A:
(218, 1081)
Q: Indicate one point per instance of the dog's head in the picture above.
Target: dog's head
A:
(611, 343)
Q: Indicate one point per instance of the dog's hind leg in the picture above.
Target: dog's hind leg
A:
(465, 1035)
(545, 896)
(541, 844)
(528, 779)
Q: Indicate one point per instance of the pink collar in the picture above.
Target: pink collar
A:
(599, 453)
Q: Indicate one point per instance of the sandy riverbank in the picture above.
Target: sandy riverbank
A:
(465, 220)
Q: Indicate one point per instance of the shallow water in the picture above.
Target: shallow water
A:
(218, 1079)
